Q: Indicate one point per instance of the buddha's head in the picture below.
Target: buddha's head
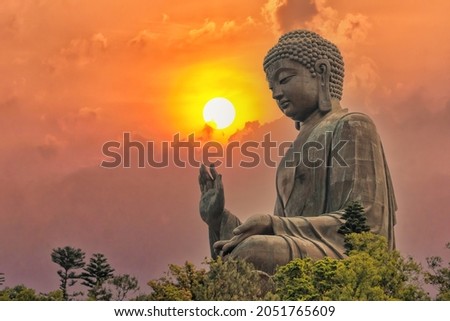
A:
(305, 73)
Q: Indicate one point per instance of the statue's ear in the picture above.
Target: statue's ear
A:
(323, 70)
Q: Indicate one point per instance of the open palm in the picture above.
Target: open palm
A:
(212, 200)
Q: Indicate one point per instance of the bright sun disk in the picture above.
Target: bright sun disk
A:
(219, 112)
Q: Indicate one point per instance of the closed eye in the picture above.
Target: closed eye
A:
(286, 79)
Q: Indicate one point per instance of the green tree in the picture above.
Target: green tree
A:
(400, 278)
(122, 286)
(2, 278)
(70, 259)
(56, 295)
(306, 279)
(225, 280)
(180, 283)
(370, 272)
(18, 293)
(95, 274)
(439, 276)
(22, 293)
(232, 280)
(355, 222)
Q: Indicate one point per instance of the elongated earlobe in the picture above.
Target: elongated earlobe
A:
(322, 68)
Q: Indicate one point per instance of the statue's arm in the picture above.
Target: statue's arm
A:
(220, 221)
(225, 232)
(364, 178)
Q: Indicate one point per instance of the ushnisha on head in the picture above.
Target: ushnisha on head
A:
(313, 52)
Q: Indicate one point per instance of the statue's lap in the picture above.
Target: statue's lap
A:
(266, 252)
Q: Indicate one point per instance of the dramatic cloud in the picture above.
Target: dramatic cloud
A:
(286, 15)
(84, 116)
(78, 53)
(316, 15)
(241, 134)
(228, 26)
(50, 146)
(206, 133)
(208, 28)
(214, 30)
(143, 38)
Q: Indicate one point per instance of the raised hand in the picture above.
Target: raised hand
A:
(212, 200)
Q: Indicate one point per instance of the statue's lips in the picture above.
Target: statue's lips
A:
(284, 104)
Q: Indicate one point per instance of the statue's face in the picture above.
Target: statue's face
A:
(294, 89)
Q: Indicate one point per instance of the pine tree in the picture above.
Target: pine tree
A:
(355, 222)
(95, 274)
(69, 259)
(2, 278)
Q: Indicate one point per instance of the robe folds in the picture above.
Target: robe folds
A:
(336, 159)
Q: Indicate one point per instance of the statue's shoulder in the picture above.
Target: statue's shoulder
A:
(347, 116)
(349, 124)
(354, 119)
(343, 120)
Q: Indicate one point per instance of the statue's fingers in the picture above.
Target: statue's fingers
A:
(219, 245)
(241, 228)
(218, 182)
(213, 171)
(229, 246)
(201, 183)
(206, 179)
(204, 173)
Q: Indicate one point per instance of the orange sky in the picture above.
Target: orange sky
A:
(75, 74)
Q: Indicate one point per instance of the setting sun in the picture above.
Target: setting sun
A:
(219, 112)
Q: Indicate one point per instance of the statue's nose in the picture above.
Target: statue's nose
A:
(277, 93)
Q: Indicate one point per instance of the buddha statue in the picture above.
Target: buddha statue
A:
(305, 73)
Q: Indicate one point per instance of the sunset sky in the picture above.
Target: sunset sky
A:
(77, 74)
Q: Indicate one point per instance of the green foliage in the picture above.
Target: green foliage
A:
(306, 279)
(370, 272)
(142, 297)
(22, 293)
(70, 259)
(400, 278)
(226, 280)
(56, 295)
(355, 222)
(2, 278)
(95, 274)
(99, 293)
(180, 283)
(439, 276)
(231, 280)
(122, 285)
(19, 293)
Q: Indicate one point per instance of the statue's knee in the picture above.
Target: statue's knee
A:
(251, 248)
(260, 250)
(265, 252)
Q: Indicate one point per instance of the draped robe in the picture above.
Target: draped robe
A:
(337, 158)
